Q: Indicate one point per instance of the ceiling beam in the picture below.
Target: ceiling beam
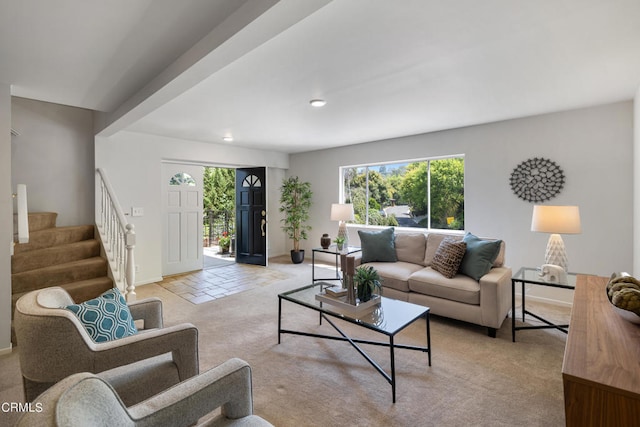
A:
(256, 22)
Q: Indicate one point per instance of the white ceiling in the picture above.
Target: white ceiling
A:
(386, 69)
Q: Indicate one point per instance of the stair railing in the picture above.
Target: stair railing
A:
(117, 235)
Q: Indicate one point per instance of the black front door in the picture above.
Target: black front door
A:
(251, 216)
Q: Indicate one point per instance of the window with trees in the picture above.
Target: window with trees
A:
(416, 193)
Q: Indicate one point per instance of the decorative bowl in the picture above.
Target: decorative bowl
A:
(627, 315)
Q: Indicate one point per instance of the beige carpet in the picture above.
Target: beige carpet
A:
(473, 380)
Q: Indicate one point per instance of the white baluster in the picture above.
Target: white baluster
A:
(131, 272)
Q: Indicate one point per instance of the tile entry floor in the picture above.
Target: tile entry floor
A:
(224, 279)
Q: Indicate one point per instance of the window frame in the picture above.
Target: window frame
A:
(366, 166)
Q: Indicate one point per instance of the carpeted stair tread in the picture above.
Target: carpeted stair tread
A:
(61, 254)
(55, 236)
(37, 221)
(60, 274)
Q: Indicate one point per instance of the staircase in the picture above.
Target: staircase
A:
(68, 257)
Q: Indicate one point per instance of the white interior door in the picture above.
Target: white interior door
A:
(182, 198)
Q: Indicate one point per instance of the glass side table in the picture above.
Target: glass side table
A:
(333, 250)
(531, 276)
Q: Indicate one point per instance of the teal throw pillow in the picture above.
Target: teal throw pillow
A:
(479, 256)
(106, 317)
(378, 245)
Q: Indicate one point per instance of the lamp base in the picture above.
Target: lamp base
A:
(342, 232)
(556, 253)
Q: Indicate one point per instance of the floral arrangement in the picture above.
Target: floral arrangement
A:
(225, 240)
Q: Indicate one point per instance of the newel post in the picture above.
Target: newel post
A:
(130, 270)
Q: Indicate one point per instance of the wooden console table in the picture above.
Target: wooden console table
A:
(601, 367)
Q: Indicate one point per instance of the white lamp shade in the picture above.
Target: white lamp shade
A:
(556, 219)
(342, 212)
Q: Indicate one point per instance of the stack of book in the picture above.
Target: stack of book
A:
(335, 291)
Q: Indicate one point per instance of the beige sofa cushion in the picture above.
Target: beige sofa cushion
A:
(395, 275)
(411, 247)
(460, 288)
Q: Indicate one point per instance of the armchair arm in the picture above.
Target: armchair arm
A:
(227, 385)
(149, 310)
(180, 340)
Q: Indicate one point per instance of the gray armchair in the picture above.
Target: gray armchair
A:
(53, 344)
(86, 400)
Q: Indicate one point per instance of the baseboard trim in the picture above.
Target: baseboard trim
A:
(546, 300)
(8, 350)
(146, 282)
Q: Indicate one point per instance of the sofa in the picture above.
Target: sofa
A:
(457, 276)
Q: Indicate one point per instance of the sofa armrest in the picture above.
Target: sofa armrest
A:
(495, 296)
(149, 310)
(179, 340)
(227, 385)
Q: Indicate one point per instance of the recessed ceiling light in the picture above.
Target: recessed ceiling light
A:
(227, 138)
(318, 103)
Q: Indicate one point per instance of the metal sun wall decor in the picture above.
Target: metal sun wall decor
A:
(537, 180)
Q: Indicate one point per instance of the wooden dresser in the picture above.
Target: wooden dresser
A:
(601, 367)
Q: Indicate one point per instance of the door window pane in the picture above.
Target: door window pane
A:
(182, 178)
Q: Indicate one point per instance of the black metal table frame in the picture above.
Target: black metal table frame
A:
(391, 379)
(350, 250)
(548, 324)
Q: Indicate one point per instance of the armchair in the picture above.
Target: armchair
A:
(53, 344)
(85, 399)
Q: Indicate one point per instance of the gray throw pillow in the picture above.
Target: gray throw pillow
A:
(479, 256)
(447, 259)
(378, 245)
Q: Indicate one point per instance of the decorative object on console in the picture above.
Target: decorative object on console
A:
(537, 180)
(556, 220)
(339, 241)
(342, 212)
(623, 291)
(325, 241)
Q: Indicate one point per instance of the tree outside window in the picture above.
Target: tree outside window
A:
(426, 193)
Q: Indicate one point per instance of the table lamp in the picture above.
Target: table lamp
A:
(342, 212)
(556, 220)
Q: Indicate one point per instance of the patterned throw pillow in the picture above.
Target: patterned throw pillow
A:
(448, 257)
(106, 317)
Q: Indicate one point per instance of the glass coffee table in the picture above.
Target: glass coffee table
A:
(388, 318)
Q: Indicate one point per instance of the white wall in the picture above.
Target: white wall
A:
(6, 218)
(132, 162)
(54, 157)
(593, 146)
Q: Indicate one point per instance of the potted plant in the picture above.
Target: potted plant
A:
(339, 241)
(224, 242)
(366, 279)
(295, 202)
